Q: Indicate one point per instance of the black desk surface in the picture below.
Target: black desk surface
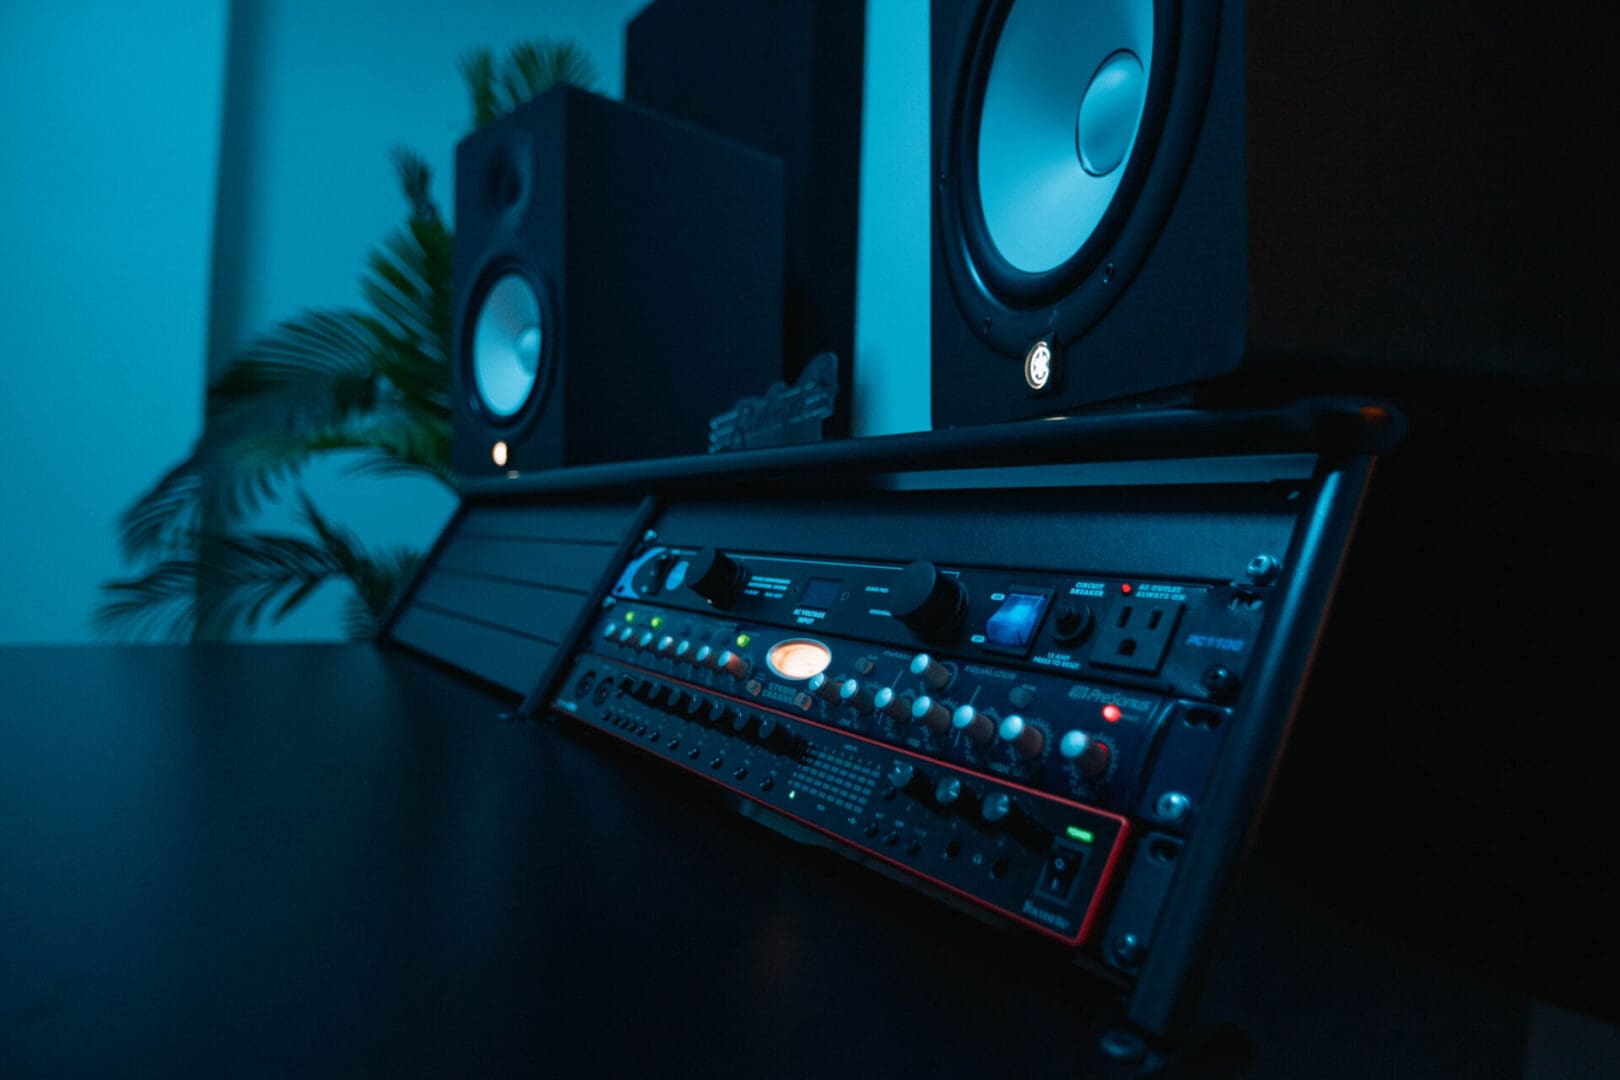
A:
(269, 859)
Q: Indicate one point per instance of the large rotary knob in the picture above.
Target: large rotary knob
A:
(716, 577)
(930, 602)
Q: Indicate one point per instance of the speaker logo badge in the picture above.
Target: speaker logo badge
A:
(1038, 366)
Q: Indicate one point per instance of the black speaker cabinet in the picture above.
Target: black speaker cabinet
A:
(618, 281)
(785, 77)
(1135, 196)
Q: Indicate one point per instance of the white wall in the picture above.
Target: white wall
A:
(108, 150)
(891, 284)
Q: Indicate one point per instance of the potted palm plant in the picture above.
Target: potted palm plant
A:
(372, 382)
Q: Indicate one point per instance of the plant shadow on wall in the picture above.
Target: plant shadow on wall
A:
(373, 384)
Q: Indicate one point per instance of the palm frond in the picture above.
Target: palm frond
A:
(376, 579)
(238, 577)
(533, 67)
(478, 72)
(356, 619)
(167, 507)
(528, 70)
(297, 391)
(408, 285)
(386, 467)
(386, 575)
(416, 182)
(304, 372)
(305, 376)
(245, 580)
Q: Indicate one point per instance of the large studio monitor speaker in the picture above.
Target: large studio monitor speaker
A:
(786, 77)
(1139, 196)
(618, 281)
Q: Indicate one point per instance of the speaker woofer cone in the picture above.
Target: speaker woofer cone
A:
(1063, 100)
(1097, 126)
(508, 347)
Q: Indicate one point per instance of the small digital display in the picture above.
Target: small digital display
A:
(821, 593)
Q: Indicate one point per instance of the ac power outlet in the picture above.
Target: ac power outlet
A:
(1136, 635)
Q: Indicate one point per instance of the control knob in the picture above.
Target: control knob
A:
(851, 692)
(934, 675)
(733, 664)
(952, 794)
(773, 735)
(1027, 740)
(977, 725)
(716, 577)
(996, 806)
(930, 602)
(932, 713)
(1089, 755)
(824, 688)
(892, 705)
(1002, 811)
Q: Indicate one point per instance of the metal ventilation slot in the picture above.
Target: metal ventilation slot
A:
(500, 594)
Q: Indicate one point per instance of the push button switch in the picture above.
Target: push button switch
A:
(1014, 623)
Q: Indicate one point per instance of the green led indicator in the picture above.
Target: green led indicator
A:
(657, 621)
(1077, 833)
(793, 794)
(629, 616)
(743, 640)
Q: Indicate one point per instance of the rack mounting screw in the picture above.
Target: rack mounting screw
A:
(1128, 950)
(1172, 806)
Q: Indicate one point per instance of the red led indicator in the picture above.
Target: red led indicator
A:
(1126, 588)
(1111, 713)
